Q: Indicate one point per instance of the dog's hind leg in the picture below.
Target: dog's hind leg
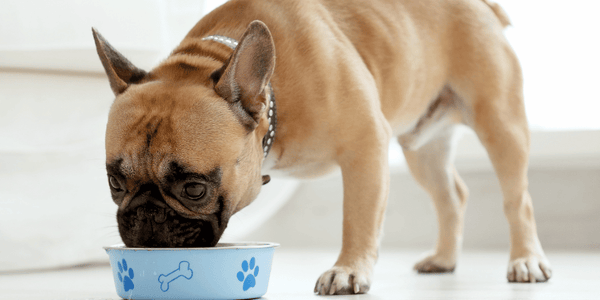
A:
(429, 151)
(493, 93)
(503, 131)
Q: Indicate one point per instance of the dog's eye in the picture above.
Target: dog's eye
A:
(193, 191)
(114, 183)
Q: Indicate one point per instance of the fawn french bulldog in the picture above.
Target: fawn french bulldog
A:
(308, 87)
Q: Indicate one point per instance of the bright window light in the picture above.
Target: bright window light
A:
(558, 45)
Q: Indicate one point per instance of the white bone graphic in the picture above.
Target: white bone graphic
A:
(183, 271)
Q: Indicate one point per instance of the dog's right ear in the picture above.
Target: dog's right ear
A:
(244, 77)
(121, 72)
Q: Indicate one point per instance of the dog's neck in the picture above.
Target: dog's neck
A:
(269, 138)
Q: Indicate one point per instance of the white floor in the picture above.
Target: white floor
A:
(479, 275)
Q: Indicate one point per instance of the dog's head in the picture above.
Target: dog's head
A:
(184, 141)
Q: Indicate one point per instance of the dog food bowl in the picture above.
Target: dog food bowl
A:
(226, 271)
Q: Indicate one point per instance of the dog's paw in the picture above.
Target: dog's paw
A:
(434, 263)
(529, 269)
(341, 280)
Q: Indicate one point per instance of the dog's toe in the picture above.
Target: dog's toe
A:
(342, 281)
(528, 269)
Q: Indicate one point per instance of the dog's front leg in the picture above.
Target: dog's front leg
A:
(366, 178)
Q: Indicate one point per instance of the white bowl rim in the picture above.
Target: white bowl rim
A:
(219, 246)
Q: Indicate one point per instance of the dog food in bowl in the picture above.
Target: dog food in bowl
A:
(226, 271)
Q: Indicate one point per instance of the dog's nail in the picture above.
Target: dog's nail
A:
(332, 289)
(356, 288)
(266, 179)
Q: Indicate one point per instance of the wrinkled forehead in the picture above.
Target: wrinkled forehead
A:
(153, 124)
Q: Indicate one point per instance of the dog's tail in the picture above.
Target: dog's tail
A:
(500, 13)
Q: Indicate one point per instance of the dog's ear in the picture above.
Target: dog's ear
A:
(248, 71)
(121, 72)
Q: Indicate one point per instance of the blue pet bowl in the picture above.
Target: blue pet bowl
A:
(226, 271)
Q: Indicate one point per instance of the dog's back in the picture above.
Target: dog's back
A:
(410, 48)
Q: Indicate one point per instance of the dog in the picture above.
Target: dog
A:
(304, 88)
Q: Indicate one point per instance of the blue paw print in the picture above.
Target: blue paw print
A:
(127, 283)
(250, 280)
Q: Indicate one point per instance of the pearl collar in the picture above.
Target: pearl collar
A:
(269, 138)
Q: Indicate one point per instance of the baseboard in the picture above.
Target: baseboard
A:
(550, 150)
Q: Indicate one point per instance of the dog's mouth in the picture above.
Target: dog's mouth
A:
(153, 226)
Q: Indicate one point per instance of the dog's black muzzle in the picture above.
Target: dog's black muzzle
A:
(148, 221)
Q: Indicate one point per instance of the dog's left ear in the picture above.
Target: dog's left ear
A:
(248, 71)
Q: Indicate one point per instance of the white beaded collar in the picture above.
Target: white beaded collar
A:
(269, 138)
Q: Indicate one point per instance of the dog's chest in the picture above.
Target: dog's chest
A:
(299, 168)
